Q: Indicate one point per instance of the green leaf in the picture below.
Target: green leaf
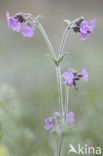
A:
(61, 58)
(53, 59)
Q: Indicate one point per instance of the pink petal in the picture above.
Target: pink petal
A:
(84, 36)
(92, 23)
(70, 117)
(7, 14)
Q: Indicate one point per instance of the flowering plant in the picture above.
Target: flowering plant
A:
(62, 120)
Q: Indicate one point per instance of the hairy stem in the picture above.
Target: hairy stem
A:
(63, 40)
(60, 146)
(46, 39)
(66, 98)
(59, 81)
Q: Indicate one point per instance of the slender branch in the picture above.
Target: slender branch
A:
(46, 39)
(59, 81)
(63, 40)
(60, 53)
(66, 98)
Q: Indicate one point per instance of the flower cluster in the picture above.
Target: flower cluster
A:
(54, 124)
(21, 23)
(70, 78)
(83, 27)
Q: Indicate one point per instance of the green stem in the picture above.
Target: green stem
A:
(63, 40)
(60, 146)
(59, 81)
(66, 98)
(58, 73)
(46, 39)
(55, 147)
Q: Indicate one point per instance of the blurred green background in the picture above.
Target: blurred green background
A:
(28, 88)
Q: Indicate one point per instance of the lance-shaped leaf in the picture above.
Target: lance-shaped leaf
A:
(59, 60)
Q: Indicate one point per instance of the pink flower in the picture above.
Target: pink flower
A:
(13, 23)
(70, 117)
(84, 75)
(86, 28)
(27, 31)
(72, 77)
(68, 78)
(48, 125)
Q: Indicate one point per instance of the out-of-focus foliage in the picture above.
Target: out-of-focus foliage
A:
(28, 92)
(3, 151)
